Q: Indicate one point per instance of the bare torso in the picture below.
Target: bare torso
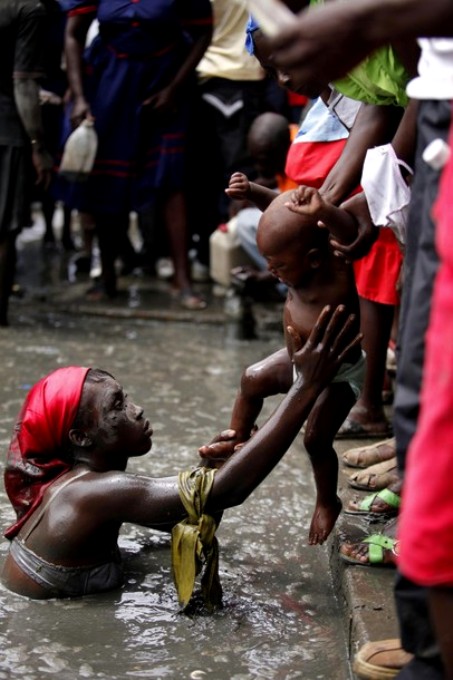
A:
(333, 286)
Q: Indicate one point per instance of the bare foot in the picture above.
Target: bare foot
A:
(323, 521)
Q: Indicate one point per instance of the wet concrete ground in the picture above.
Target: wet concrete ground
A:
(286, 616)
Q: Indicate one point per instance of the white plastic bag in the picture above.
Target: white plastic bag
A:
(79, 152)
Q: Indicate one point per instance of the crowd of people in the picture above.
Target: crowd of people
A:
(345, 202)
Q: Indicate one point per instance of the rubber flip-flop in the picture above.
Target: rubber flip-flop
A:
(376, 543)
(354, 430)
(393, 500)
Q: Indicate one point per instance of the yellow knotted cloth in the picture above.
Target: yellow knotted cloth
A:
(194, 544)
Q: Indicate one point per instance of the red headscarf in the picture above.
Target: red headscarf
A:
(36, 452)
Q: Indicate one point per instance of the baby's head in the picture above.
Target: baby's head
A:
(292, 244)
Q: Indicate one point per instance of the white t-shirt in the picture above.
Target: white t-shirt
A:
(435, 68)
(226, 57)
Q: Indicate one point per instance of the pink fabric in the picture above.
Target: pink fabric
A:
(36, 455)
(426, 521)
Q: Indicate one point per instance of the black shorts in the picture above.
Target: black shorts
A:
(15, 184)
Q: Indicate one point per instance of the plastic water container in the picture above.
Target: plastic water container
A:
(79, 152)
(226, 253)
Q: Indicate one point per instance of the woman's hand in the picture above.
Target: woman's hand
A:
(357, 206)
(162, 102)
(221, 447)
(42, 163)
(318, 361)
(80, 111)
(305, 201)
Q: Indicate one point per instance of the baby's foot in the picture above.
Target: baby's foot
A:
(323, 521)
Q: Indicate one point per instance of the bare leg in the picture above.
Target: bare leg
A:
(48, 210)
(175, 215)
(376, 325)
(330, 410)
(110, 229)
(66, 236)
(7, 271)
(272, 375)
(176, 225)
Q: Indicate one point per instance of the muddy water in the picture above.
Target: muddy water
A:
(280, 620)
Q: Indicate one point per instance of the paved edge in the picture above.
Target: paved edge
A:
(365, 593)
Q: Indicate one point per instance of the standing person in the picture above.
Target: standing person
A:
(313, 51)
(328, 153)
(67, 481)
(426, 522)
(135, 80)
(22, 24)
(230, 95)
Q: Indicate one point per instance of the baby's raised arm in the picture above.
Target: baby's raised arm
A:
(240, 188)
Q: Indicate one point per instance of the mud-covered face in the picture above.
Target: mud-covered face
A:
(118, 425)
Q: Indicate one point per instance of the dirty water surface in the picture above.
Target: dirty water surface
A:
(280, 621)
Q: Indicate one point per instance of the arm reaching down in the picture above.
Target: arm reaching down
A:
(308, 201)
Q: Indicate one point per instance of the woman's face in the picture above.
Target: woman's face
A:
(118, 425)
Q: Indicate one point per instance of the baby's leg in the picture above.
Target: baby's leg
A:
(272, 375)
(326, 417)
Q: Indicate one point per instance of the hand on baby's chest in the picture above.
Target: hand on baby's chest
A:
(302, 317)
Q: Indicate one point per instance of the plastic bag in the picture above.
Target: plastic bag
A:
(79, 152)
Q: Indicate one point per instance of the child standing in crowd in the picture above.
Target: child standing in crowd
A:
(268, 141)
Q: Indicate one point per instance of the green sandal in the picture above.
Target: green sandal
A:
(393, 500)
(377, 543)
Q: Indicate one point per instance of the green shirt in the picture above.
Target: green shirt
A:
(379, 79)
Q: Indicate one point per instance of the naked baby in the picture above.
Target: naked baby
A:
(298, 252)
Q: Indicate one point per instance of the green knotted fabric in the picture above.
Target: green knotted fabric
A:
(194, 544)
(379, 79)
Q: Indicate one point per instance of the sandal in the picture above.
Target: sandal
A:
(188, 300)
(364, 456)
(192, 302)
(375, 477)
(377, 544)
(351, 429)
(98, 293)
(382, 659)
(390, 498)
